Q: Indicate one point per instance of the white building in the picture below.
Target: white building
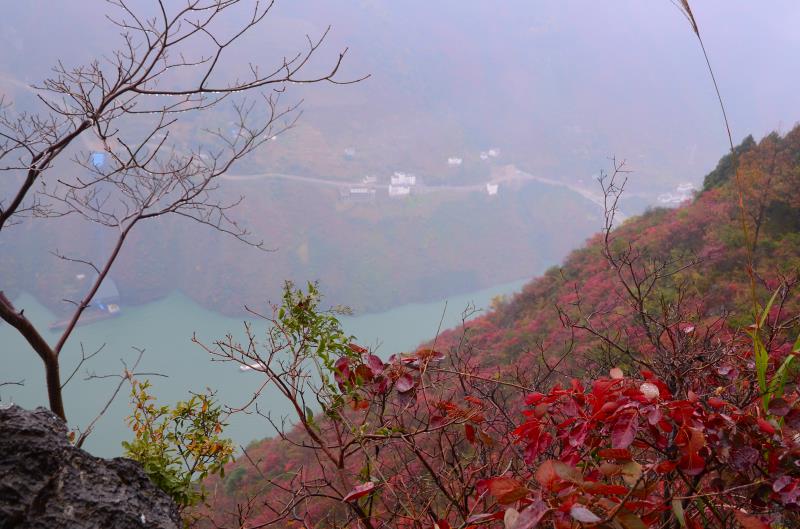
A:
(491, 189)
(369, 179)
(494, 153)
(403, 179)
(454, 161)
(361, 193)
(484, 156)
(687, 187)
(399, 191)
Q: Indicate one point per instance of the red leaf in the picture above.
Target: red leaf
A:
(765, 426)
(748, 521)
(375, 363)
(533, 399)
(404, 383)
(506, 490)
(779, 407)
(690, 439)
(485, 517)
(716, 403)
(793, 418)
(665, 467)
(692, 463)
(441, 524)
(359, 491)
(781, 483)
(356, 348)
(429, 355)
(624, 430)
(744, 457)
(654, 416)
(577, 435)
(364, 373)
(595, 487)
(620, 454)
(474, 400)
(359, 404)
(342, 369)
(530, 517)
(485, 438)
(582, 514)
(552, 471)
(469, 431)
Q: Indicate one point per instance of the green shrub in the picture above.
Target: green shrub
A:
(178, 447)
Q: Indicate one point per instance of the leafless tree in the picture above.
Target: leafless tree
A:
(129, 103)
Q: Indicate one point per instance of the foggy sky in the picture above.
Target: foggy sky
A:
(557, 85)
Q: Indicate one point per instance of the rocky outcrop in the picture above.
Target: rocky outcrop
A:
(45, 482)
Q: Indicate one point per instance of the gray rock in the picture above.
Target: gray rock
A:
(45, 482)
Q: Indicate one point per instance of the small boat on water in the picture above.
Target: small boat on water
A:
(104, 304)
(90, 315)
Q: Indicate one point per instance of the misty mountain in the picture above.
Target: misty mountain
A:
(547, 83)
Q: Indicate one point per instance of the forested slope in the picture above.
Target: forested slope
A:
(662, 298)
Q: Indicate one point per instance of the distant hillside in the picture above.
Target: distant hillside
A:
(528, 80)
(706, 231)
(522, 332)
(452, 78)
(370, 254)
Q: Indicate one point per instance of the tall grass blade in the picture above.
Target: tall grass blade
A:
(765, 311)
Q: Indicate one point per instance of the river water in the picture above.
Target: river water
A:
(164, 329)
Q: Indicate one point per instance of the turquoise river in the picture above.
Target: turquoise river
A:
(164, 330)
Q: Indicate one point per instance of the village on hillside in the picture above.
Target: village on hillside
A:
(402, 184)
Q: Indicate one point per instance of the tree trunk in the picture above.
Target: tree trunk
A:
(53, 375)
(50, 358)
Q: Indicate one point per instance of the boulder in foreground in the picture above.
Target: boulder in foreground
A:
(45, 482)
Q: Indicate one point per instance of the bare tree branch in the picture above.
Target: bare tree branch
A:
(125, 107)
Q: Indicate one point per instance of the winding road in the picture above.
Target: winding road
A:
(513, 176)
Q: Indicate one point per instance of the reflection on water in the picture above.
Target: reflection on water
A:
(164, 329)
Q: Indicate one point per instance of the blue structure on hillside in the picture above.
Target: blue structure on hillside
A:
(98, 159)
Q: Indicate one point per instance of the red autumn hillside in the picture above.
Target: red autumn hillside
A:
(702, 241)
(476, 429)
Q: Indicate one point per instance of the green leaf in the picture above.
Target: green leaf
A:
(765, 312)
(677, 510)
(762, 360)
(760, 352)
(778, 381)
